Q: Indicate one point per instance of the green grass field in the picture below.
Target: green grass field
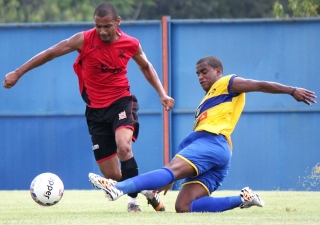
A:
(91, 207)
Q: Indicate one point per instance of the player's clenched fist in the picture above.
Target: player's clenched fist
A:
(167, 102)
(11, 79)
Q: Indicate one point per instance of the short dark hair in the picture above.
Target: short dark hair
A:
(106, 9)
(212, 61)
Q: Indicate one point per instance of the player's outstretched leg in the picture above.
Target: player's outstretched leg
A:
(107, 185)
(249, 198)
(112, 193)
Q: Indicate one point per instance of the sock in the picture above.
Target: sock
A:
(133, 201)
(211, 204)
(147, 181)
(129, 169)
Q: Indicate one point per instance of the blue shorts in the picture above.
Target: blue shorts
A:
(210, 155)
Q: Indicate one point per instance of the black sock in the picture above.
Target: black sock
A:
(129, 169)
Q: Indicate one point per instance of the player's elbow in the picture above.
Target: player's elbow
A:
(147, 71)
(145, 67)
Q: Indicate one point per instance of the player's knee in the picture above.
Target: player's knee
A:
(124, 151)
(182, 207)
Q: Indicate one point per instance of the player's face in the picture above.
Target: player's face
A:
(106, 27)
(207, 75)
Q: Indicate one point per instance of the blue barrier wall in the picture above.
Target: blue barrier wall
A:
(42, 123)
(42, 126)
(276, 142)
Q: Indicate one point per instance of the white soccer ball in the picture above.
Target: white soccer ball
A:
(46, 189)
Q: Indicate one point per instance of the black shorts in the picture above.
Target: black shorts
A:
(102, 124)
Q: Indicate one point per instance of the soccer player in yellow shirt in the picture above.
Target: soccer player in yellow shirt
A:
(204, 156)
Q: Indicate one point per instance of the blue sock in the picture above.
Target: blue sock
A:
(211, 204)
(147, 181)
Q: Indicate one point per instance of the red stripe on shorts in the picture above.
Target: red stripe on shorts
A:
(109, 157)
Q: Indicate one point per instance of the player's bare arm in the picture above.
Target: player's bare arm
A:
(68, 45)
(241, 85)
(148, 71)
(151, 75)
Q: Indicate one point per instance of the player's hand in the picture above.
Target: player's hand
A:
(167, 102)
(306, 96)
(11, 79)
(165, 188)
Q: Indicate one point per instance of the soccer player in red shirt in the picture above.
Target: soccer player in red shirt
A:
(111, 109)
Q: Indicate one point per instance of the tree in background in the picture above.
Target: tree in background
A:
(14, 11)
(298, 8)
(208, 9)
(22, 11)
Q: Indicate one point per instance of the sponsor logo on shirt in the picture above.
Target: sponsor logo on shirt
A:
(106, 69)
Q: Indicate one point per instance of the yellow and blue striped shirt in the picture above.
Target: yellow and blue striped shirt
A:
(220, 109)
